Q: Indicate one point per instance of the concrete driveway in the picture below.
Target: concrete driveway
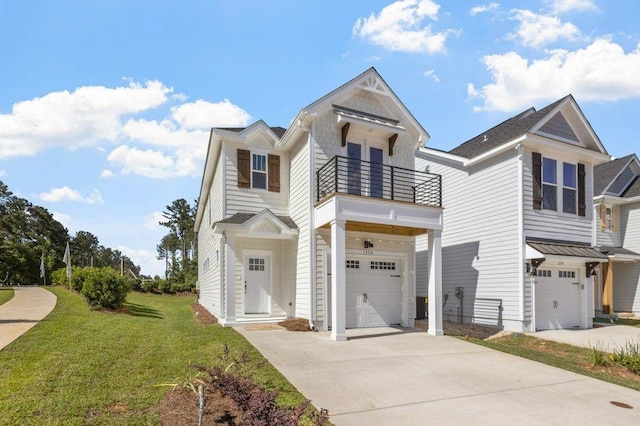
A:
(609, 336)
(388, 376)
(28, 306)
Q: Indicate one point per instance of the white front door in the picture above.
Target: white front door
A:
(257, 284)
(373, 292)
(557, 299)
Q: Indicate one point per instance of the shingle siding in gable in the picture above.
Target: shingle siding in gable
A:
(622, 182)
(558, 126)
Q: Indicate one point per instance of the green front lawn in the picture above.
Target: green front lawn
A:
(86, 367)
(6, 294)
(568, 357)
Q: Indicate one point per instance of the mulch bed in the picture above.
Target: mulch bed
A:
(180, 408)
(203, 315)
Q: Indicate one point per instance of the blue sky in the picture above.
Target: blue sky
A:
(106, 106)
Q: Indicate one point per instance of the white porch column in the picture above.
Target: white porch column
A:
(230, 280)
(338, 281)
(435, 283)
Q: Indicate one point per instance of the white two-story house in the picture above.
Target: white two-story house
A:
(319, 220)
(617, 231)
(518, 240)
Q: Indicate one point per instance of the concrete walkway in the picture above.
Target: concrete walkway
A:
(28, 306)
(608, 336)
(389, 376)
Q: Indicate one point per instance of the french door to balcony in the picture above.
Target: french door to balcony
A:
(354, 168)
(376, 174)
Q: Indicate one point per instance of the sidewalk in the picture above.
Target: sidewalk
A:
(28, 306)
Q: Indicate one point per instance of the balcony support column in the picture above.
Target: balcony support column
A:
(338, 280)
(435, 283)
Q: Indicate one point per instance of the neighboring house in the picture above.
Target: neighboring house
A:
(319, 221)
(617, 229)
(518, 221)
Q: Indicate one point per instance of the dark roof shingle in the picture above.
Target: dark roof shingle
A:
(605, 173)
(503, 132)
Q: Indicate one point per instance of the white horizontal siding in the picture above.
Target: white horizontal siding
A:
(555, 224)
(481, 240)
(209, 248)
(627, 276)
(251, 200)
(299, 210)
(607, 238)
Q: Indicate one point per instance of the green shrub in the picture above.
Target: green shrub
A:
(598, 355)
(105, 288)
(150, 286)
(59, 276)
(628, 356)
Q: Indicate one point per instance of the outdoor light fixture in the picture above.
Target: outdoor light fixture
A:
(368, 244)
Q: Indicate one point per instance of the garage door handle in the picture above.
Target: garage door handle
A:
(364, 297)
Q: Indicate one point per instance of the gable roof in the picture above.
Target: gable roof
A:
(529, 121)
(369, 81)
(605, 174)
(279, 131)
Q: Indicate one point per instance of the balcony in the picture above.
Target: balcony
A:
(342, 175)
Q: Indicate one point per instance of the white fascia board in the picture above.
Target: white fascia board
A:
(624, 258)
(581, 153)
(468, 162)
(441, 154)
(614, 200)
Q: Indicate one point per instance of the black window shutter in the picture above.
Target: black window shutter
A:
(244, 168)
(537, 180)
(274, 173)
(582, 206)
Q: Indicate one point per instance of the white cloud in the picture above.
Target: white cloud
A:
(3, 172)
(152, 221)
(204, 115)
(600, 72)
(106, 173)
(63, 218)
(483, 8)
(431, 74)
(74, 119)
(147, 260)
(563, 6)
(541, 30)
(399, 27)
(92, 114)
(156, 164)
(67, 194)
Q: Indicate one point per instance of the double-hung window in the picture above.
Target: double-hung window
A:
(259, 171)
(549, 184)
(569, 188)
(608, 218)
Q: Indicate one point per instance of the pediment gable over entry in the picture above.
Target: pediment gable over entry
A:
(258, 225)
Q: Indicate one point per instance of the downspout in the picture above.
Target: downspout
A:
(312, 237)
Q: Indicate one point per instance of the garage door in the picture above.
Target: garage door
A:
(374, 292)
(557, 299)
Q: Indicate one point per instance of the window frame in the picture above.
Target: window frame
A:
(549, 184)
(573, 189)
(608, 218)
(265, 172)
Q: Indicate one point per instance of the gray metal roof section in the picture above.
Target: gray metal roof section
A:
(566, 249)
(240, 218)
(503, 132)
(612, 251)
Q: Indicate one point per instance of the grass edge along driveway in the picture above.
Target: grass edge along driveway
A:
(87, 367)
(6, 294)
